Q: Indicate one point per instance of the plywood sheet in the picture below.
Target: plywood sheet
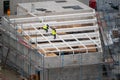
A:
(27, 37)
(19, 30)
(51, 54)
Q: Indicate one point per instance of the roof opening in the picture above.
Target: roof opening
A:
(73, 7)
(41, 9)
(61, 1)
(76, 7)
(48, 11)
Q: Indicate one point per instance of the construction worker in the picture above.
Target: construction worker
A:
(54, 33)
(8, 12)
(46, 27)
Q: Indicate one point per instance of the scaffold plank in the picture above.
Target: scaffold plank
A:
(52, 17)
(55, 23)
(72, 43)
(76, 50)
(74, 29)
(65, 37)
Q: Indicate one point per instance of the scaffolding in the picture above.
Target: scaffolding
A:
(66, 31)
(19, 55)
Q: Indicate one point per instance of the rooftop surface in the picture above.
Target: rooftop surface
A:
(53, 6)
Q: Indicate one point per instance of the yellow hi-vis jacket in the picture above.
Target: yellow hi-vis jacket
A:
(53, 32)
(45, 27)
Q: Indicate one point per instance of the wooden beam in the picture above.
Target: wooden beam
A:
(65, 37)
(55, 23)
(52, 17)
(71, 43)
(63, 30)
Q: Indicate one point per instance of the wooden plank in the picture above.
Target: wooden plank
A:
(46, 54)
(71, 18)
(89, 50)
(27, 37)
(51, 54)
(33, 45)
(50, 49)
(77, 50)
(71, 43)
(63, 30)
(54, 23)
(52, 17)
(41, 51)
(62, 26)
(91, 46)
(65, 37)
(19, 30)
(29, 28)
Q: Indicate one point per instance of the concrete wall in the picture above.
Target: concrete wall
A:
(73, 60)
(1, 7)
(25, 60)
(90, 72)
(24, 64)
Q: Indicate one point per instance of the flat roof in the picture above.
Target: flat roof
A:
(53, 6)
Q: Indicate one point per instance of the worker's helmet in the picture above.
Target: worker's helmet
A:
(47, 25)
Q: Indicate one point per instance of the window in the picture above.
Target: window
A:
(76, 7)
(6, 6)
(62, 1)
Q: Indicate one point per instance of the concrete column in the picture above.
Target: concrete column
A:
(1, 7)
